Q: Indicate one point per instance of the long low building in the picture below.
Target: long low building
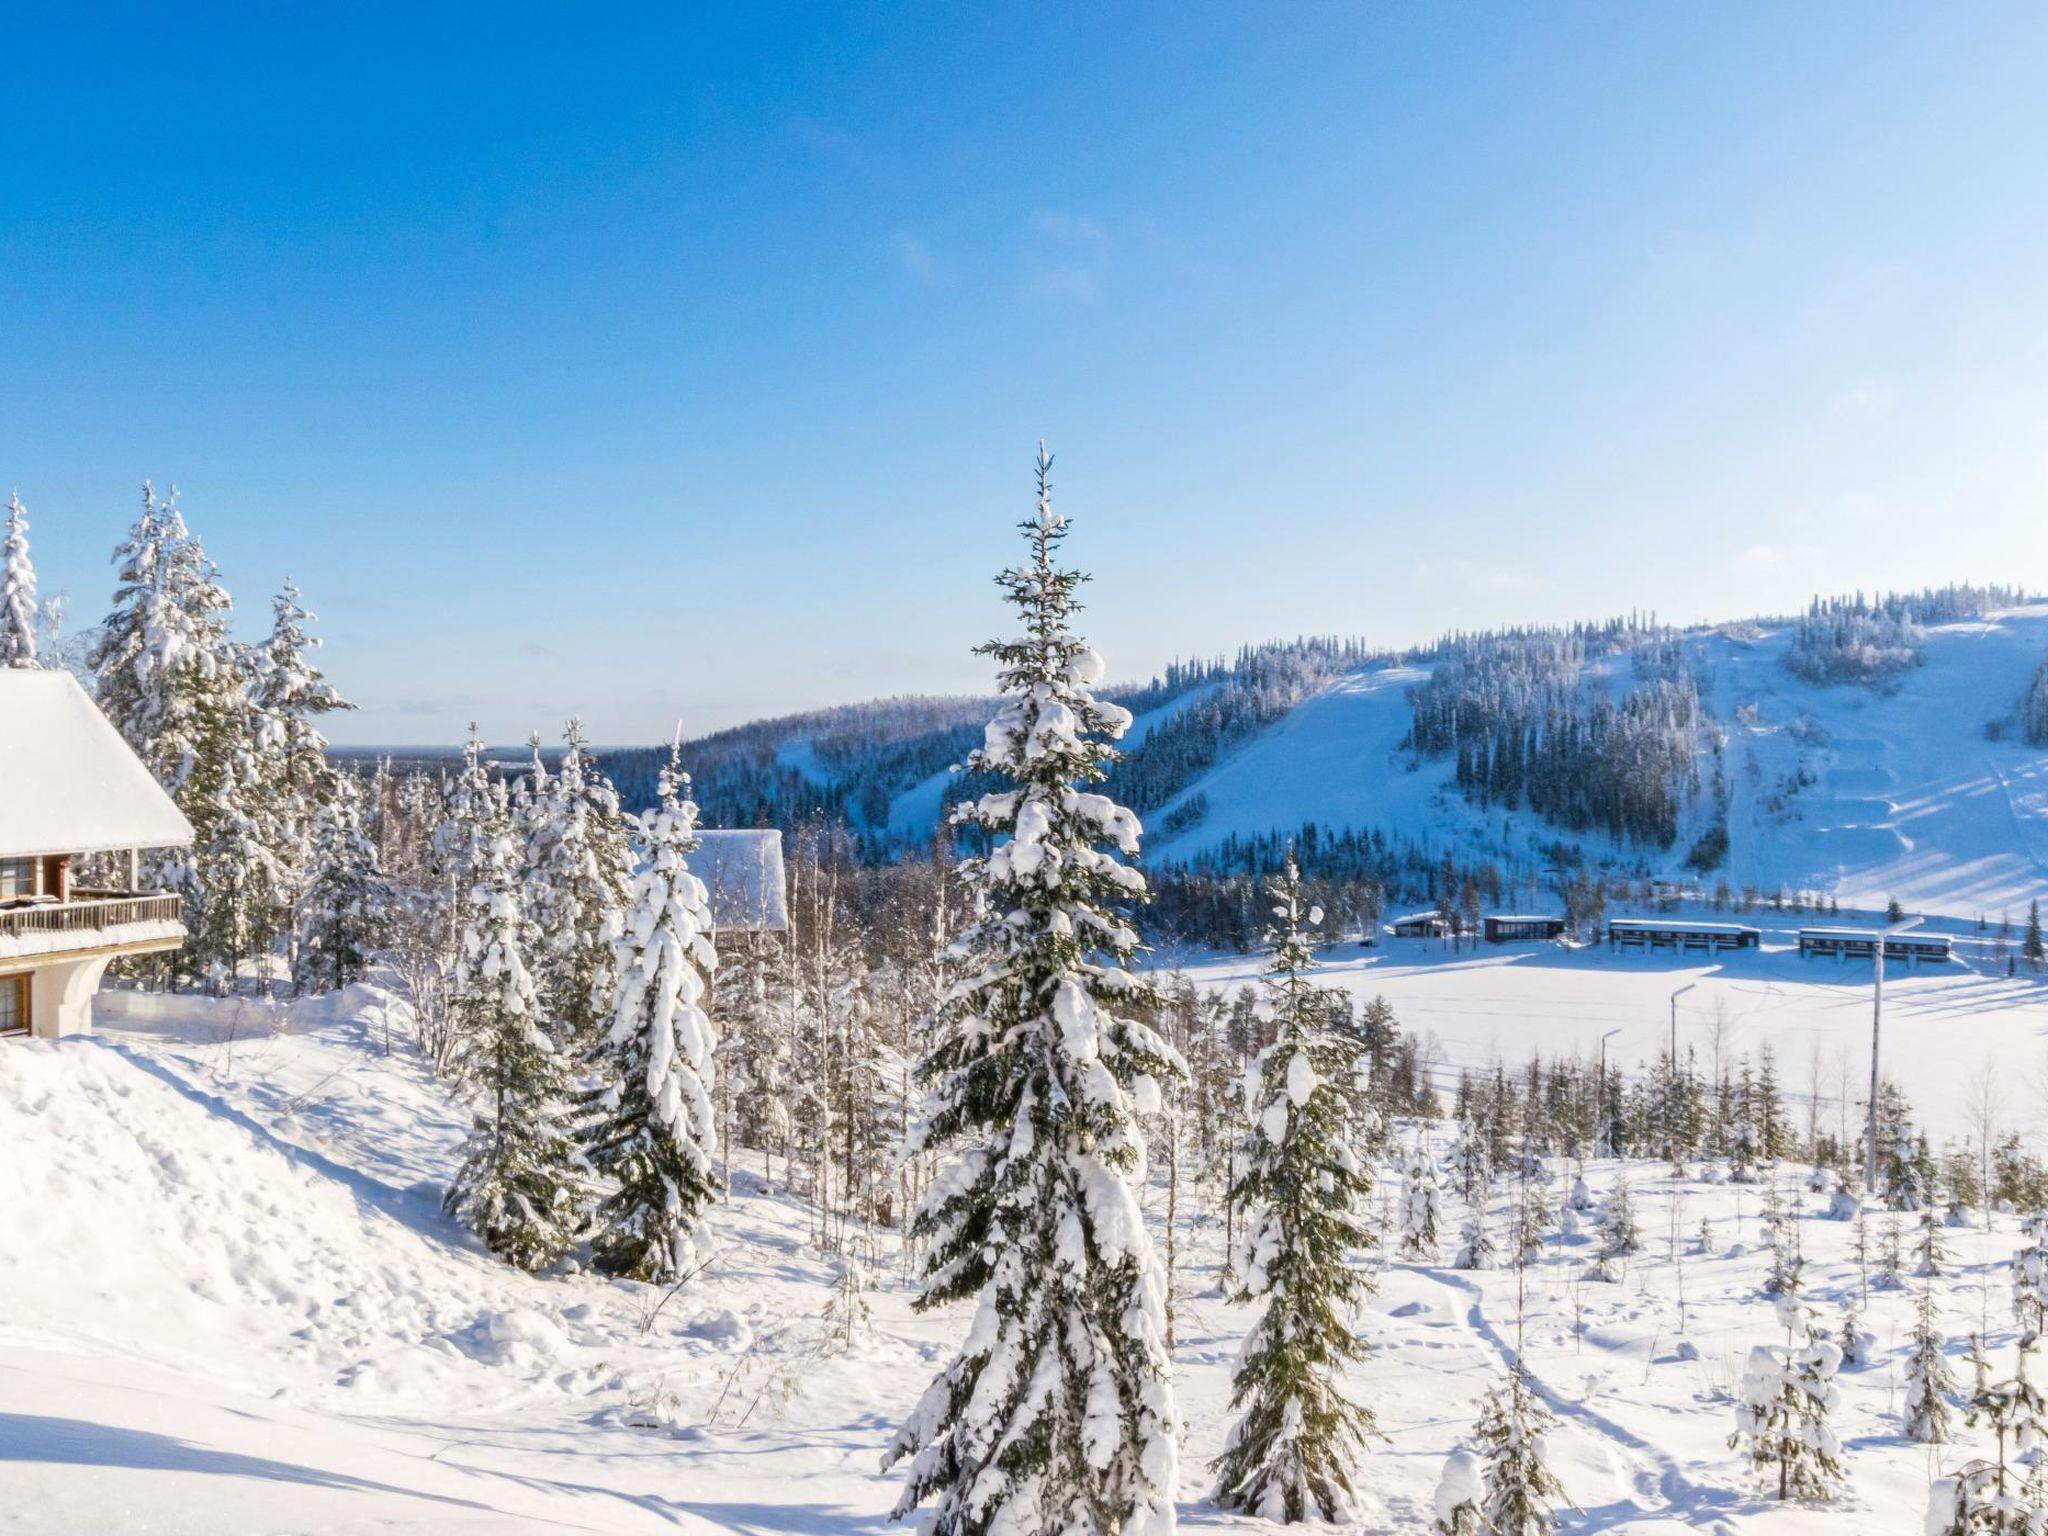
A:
(1678, 933)
(1861, 944)
(1506, 927)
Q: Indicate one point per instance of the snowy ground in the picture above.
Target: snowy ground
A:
(232, 1306)
(1942, 1023)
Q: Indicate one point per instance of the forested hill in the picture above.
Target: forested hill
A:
(1868, 748)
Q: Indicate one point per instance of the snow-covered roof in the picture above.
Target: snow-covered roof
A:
(742, 869)
(1679, 925)
(68, 782)
(1431, 916)
(1523, 917)
(1872, 933)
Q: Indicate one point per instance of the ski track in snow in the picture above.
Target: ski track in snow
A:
(1663, 1490)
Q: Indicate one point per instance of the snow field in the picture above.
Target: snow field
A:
(230, 1297)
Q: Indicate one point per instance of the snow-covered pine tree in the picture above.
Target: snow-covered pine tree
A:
(1852, 1338)
(1891, 1256)
(1931, 1248)
(1291, 1453)
(1520, 1493)
(345, 908)
(289, 777)
(521, 1186)
(17, 590)
(1421, 1202)
(1929, 1381)
(653, 1129)
(1532, 1213)
(168, 677)
(1620, 1237)
(1782, 1415)
(1995, 1498)
(463, 835)
(580, 873)
(1475, 1238)
(1058, 1414)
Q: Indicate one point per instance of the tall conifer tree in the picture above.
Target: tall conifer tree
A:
(1301, 1187)
(654, 1130)
(1058, 1413)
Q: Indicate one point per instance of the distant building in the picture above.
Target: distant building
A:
(1673, 933)
(1861, 944)
(1507, 927)
(69, 787)
(1420, 925)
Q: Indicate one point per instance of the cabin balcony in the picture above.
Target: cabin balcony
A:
(123, 922)
(53, 952)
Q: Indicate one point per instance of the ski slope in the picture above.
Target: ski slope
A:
(1860, 793)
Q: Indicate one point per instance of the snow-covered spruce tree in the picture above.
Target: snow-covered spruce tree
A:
(1852, 1338)
(168, 677)
(1929, 1381)
(17, 590)
(580, 873)
(1291, 1453)
(1994, 1498)
(1620, 1237)
(290, 778)
(1421, 1206)
(521, 1185)
(1782, 1414)
(1930, 1248)
(1891, 1256)
(1475, 1238)
(653, 1129)
(344, 909)
(1520, 1493)
(1058, 1414)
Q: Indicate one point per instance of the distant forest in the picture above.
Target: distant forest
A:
(1596, 729)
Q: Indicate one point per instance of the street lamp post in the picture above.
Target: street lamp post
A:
(1876, 1031)
(1600, 1093)
(1674, 1022)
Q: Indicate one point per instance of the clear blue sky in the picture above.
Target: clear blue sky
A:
(691, 364)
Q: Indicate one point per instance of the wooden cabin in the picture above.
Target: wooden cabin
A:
(71, 789)
(1680, 934)
(1511, 927)
(1861, 944)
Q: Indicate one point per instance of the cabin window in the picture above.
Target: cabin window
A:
(13, 1005)
(17, 878)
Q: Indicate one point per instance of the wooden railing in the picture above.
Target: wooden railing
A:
(92, 911)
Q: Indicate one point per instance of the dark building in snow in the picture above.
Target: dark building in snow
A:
(1507, 927)
(1677, 933)
(1420, 925)
(1861, 944)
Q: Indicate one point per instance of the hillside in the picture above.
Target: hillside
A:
(1910, 778)
(1859, 792)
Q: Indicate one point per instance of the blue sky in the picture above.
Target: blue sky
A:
(689, 365)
